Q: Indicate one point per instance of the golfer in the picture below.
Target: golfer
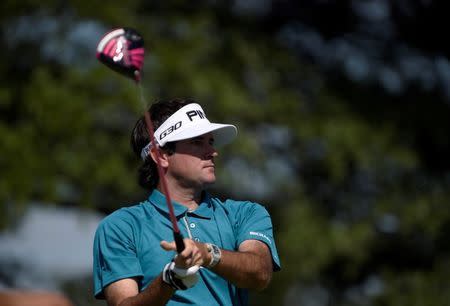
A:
(229, 245)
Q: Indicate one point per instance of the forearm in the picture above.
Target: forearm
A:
(246, 269)
(179, 274)
(157, 293)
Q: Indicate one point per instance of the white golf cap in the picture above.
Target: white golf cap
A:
(188, 122)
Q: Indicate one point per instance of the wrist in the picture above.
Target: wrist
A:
(214, 255)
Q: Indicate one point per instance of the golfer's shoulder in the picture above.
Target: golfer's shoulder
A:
(239, 206)
(127, 215)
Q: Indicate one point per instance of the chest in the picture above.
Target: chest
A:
(218, 229)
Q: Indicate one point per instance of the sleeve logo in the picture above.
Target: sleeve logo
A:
(261, 235)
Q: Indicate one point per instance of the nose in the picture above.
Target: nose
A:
(212, 152)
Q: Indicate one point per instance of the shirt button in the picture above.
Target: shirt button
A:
(197, 239)
(192, 225)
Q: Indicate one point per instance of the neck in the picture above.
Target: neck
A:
(188, 197)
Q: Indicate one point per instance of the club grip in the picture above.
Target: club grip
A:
(178, 241)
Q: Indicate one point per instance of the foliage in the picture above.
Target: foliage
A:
(353, 196)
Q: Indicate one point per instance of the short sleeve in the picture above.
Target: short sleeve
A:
(253, 222)
(114, 253)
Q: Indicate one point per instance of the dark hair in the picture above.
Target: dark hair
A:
(159, 112)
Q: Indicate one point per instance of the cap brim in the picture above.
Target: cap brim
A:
(223, 133)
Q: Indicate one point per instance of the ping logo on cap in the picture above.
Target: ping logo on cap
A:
(193, 113)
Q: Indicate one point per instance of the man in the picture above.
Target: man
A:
(230, 248)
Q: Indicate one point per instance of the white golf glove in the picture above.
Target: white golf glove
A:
(179, 278)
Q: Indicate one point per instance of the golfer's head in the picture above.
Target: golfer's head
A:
(173, 121)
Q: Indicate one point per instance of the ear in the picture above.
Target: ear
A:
(160, 155)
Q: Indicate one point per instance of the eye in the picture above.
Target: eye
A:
(197, 141)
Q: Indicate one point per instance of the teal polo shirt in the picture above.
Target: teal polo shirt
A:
(126, 244)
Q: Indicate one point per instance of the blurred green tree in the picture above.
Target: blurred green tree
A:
(357, 212)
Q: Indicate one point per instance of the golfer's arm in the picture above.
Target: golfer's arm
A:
(125, 292)
(249, 267)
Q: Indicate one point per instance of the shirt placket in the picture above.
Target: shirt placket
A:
(191, 225)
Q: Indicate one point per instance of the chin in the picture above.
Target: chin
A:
(209, 181)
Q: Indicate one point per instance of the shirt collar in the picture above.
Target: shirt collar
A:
(204, 210)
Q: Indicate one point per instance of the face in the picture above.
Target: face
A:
(192, 164)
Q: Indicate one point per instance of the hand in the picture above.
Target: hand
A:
(182, 272)
(178, 278)
(194, 253)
